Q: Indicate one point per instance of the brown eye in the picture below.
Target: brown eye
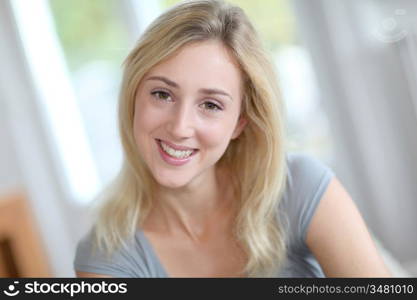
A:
(212, 106)
(161, 95)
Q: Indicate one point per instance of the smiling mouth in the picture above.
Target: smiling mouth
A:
(176, 153)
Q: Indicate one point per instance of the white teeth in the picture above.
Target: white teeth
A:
(176, 153)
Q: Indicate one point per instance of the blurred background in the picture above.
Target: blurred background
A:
(348, 74)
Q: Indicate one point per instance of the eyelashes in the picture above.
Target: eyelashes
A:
(158, 94)
(165, 96)
(212, 106)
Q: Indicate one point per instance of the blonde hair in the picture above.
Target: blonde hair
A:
(256, 159)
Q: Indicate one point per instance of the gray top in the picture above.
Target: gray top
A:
(306, 182)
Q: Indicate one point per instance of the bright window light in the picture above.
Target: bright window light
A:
(58, 103)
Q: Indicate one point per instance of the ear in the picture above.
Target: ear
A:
(239, 127)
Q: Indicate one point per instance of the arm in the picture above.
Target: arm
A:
(339, 239)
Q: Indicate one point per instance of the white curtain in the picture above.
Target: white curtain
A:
(364, 54)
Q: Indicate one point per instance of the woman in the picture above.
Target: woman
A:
(207, 188)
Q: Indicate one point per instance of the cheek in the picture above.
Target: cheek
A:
(145, 115)
(143, 122)
(217, 135)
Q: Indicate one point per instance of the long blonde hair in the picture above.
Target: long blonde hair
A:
(256, 159)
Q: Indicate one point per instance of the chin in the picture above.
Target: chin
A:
(172, 182)
(172, 185)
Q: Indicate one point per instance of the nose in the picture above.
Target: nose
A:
(181, 123)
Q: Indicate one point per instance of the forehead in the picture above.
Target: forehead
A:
(207, 63)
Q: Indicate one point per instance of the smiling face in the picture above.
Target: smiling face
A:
(186, 112)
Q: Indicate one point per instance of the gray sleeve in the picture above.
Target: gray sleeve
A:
(308, 179)
(92, 260)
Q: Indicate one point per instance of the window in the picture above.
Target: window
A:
(75, 50)
(57, 99)
(94, 39)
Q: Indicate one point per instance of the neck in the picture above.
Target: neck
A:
(196, 210)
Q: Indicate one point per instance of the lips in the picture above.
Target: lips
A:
(176, 147)
(174, 160)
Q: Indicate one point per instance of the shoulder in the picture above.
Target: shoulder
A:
(307, 180)
(339, 238)
(126, 261)
(324, 221)
(307, 177)
(305, 169)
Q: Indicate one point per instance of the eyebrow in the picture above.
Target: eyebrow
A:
(207, 91)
